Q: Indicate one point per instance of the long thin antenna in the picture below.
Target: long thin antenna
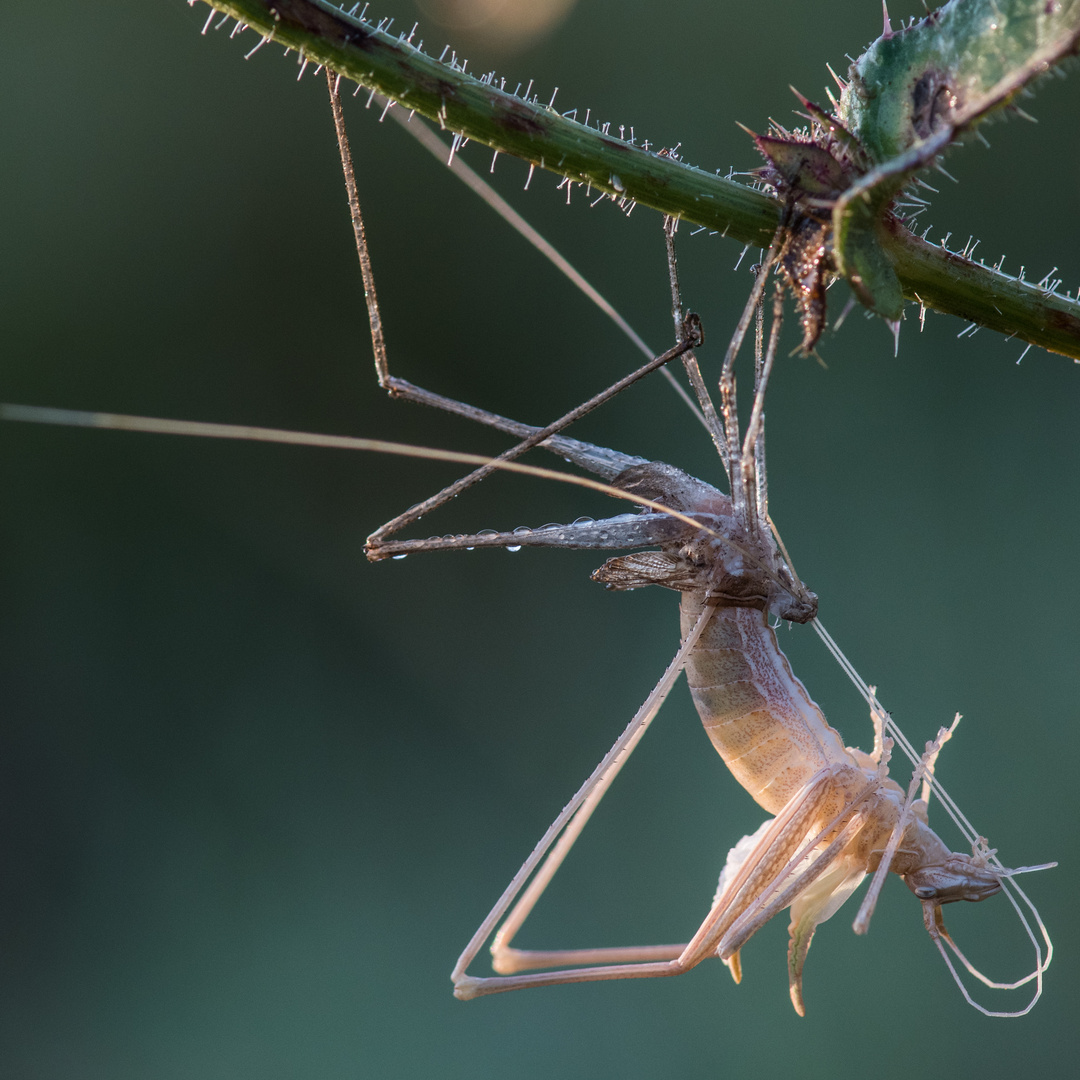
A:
(427, 138)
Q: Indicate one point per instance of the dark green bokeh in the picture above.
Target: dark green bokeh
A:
(257, 793)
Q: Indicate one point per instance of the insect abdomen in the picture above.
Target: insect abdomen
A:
(760, 718)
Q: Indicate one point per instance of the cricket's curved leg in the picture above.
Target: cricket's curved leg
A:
(780, 850)
(690, 335)
(538, 437)
(784, 835)
(562, 833)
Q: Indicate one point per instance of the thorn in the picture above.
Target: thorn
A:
(494, 158)
(1023, 115)
(894, 325)
(528, 179)
(845, 313)
(948, 176)
(744, 251)
(1024, 353)
(887, 31)
(836, 78)
(805, 102)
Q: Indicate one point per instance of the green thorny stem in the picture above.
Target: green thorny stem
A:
(481, 110)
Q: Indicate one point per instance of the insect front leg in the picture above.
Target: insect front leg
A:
(689, 334)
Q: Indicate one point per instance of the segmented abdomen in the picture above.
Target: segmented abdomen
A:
(760, 718)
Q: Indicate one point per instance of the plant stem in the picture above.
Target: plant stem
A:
(474, 109)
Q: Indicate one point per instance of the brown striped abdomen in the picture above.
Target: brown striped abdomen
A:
(760, 718)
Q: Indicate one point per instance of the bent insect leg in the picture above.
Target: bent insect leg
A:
(690, 335)
(771, 876)
(565, 829)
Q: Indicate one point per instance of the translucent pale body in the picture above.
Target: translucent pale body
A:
(760, 718)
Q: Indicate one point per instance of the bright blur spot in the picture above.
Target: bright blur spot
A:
(503, 24)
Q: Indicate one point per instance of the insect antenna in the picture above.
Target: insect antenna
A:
(431, 142)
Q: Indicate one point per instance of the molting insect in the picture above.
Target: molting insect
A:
(837, 815)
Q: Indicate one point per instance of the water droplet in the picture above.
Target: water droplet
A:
(514, 547)
(522, 530)
(405, 556)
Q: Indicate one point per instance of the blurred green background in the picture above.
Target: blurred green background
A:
(257, 793)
